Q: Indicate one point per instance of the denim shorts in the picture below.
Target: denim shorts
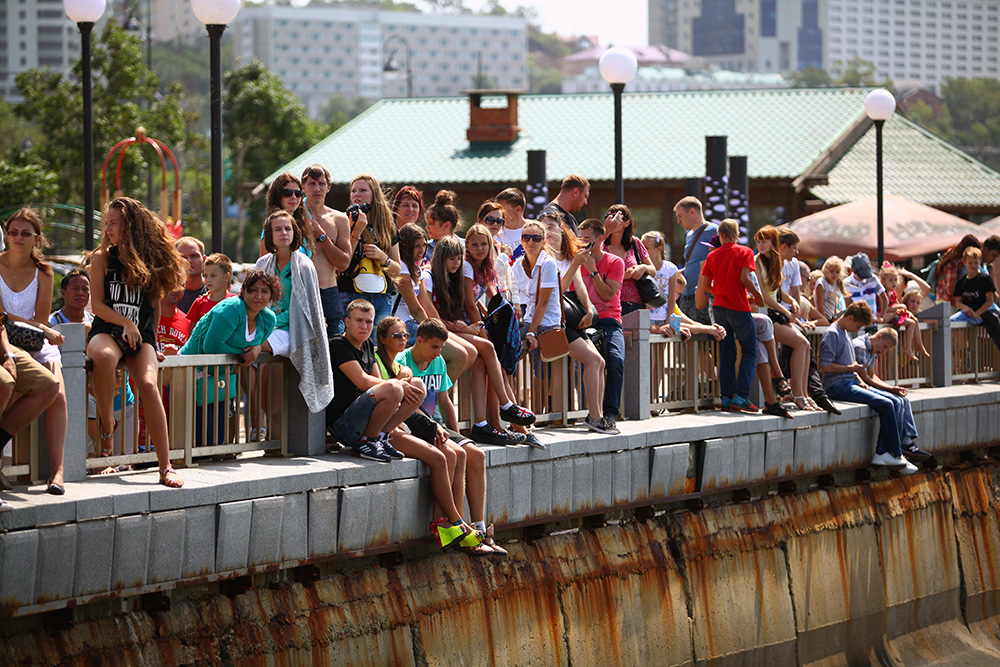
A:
(352, 424)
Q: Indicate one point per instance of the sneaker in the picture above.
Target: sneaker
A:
(825, 403)
(530, 439)
(914, 453)
(908, 469)
(369, 449)
(389, 450)
(515, 414)
(600, 425)
(612, 422)
(487, 435)
(515, 438)
(726, 402)
(777, 409)
(740, 404)
(5, 507)
(888, 460)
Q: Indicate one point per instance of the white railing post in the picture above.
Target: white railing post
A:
(74, 370)
(638, 366)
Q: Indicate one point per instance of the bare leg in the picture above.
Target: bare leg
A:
(437, 462)
(475, 481)
(387, 396)
(142, 366)
(55, 426)
(458, 355)
(457, 459)
(407, 406)
(105, 355)
(593, 374)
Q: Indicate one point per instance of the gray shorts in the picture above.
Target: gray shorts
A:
(352, 424)
(765, 332)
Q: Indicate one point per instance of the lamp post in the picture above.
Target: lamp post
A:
(618, 66)
(879, 105)
(216, 14)
(85, 13)
(392, 66)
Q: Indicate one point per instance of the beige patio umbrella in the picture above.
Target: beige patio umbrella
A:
(990, 227)
(910, 229)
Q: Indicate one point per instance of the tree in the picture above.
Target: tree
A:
(24, 185)
(859, 73)
(810, 77)
(339, 109)
(125, 96)
(263, 126)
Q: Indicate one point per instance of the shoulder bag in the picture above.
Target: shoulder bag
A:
(25, 336)
(552, 341)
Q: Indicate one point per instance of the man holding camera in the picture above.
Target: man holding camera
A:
(331, 238)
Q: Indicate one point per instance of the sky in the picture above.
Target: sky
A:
(625, 25)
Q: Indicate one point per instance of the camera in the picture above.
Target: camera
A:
(354, 209)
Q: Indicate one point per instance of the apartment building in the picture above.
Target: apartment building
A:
(34, 33)
(908, 40)
(322, 51)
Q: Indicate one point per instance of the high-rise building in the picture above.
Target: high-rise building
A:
(323, 51)
(907, 40)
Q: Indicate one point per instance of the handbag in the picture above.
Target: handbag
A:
(649, 292)
(25, 336)
(552, 341)
(777, 316)
(573, 310)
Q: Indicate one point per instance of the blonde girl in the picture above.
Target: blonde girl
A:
(829, 293)
(665, 276)
(898, 314)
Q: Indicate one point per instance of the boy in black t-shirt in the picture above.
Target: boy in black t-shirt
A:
(365, 408)
(976, 297)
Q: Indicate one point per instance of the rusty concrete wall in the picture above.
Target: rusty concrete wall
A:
(905, 571)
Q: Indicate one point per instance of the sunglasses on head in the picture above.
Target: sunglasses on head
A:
(289, 192)
(534, 238)
(490, 220)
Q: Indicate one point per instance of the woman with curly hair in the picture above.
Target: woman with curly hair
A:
(134, 267)
(408, 206)
(286, 194)
(374, 249)
(26, 281)
(621, 242)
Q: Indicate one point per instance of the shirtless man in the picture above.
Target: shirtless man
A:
(332, 236)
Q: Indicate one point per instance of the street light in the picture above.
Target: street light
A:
(216, 14)
(392, 66)
(618, 66)
(879, 105)
(85, 13)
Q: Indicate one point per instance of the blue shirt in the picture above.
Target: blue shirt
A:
(692, 268)
(836, 348)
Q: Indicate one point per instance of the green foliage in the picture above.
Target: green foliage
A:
(17, 131)
(859, 73)
(23, 185)
(810, 77)
(340, 109)
(124, 98)
(264, 125)
(972, 117)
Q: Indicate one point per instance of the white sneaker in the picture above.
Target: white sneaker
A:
(888, 460)
(908, 469)
(5, 506)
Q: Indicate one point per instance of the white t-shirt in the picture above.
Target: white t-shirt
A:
(511, 237)
(662, 278)
(402, 310)
(864, 290)
(470, 273)
(549, 272)
(791, 276)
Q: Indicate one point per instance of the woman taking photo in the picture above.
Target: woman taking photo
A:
(26, 296)
(374, 249)
(238, 326)
(300, 330)
(620, 242)
(540, 274)
(133, 268)
(286, 194)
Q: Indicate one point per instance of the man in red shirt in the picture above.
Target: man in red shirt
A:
(726, 274)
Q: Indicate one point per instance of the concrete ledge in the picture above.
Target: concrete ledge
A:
(95, 545)
(166, 546)
(232, 548)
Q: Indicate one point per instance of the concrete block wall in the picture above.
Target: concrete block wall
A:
(133, 537)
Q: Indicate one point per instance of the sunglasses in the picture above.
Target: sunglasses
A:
(288, 192)
(490, 220)
(26, 234)
(399, 335)
(534, 238)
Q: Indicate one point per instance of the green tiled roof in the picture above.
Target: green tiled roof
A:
(423, 140)
(917, 165)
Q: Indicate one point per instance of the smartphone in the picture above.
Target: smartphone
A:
(589, 246)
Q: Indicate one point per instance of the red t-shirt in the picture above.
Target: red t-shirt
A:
(202, 305)
(724, 266)
(173, 330)
(612, 268)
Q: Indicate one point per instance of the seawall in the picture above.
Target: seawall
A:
(902, 571)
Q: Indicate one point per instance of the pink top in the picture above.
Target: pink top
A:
(629, 292)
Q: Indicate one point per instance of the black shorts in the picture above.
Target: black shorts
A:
(116, 332)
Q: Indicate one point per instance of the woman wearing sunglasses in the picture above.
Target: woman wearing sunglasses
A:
(491, 217)
(286, 194)
(621, 242)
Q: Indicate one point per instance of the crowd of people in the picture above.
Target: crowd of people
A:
(380, 315)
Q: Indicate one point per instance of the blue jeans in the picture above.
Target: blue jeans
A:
(614, 365)
(350, 426)
(886, 408)
(382, 303)
(739, 327)
(333, 310)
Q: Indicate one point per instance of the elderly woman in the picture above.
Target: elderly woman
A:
(408, 206)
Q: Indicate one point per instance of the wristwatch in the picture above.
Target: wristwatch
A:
(322, 238)
(593, 273)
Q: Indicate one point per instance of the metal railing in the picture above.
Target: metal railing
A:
(974, 357)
